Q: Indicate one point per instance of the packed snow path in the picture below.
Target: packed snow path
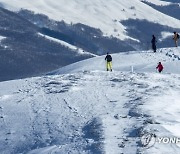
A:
(89, 112)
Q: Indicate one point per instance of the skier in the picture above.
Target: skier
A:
(153, 41)
(175, 38)
(108, 59)
(159, 67)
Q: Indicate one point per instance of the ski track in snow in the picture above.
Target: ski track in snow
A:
(90, 112)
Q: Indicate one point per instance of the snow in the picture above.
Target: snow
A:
(2, 38)
(79, 50)
(158, 2)
(101, 14)
(84, 109)
(140, 61)
(165, 35)
(5, 97)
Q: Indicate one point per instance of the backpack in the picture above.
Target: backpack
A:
(177, 36)
(109, 58)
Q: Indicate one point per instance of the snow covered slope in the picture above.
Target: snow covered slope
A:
(74, 48)
(142, 61)
(105, 15)
(24, 53)
(159, 2)
(89, 110)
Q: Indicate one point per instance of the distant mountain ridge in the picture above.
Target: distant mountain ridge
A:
(23, 53)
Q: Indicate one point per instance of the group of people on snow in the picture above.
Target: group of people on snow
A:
(108, 59)
(159, 67)
(175, 38)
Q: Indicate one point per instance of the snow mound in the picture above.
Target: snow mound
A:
(143, 61)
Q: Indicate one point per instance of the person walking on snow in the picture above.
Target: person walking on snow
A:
(108, 59)
(153, 41)
(159, 67)
(175, 38)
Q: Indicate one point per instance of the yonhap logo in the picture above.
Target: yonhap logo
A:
(168, 140)
(148, 140)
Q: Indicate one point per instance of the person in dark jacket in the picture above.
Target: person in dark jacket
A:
(175, 38)
(159, 67)
(153, 41)
(108, 59)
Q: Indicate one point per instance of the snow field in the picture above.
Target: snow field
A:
(89, 110)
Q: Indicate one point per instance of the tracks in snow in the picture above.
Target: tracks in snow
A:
(96, 112)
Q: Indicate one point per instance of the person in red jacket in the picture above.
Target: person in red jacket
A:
(159, 67)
